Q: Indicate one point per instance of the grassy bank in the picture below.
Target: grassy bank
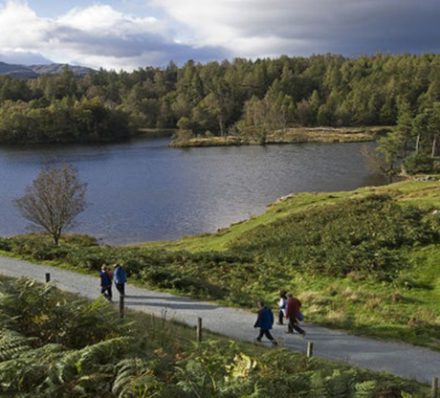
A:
(367, 261)
(54, 344)
(293, 135)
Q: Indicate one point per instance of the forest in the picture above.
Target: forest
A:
(238, 97)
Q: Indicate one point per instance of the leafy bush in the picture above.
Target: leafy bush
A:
(418, 163)
(43, 315)
(357, 236)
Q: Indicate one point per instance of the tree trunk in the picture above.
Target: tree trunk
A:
(220, 123)
(417, 143)
(56, 236)
(434, 147)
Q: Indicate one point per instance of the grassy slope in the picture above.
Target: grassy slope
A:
(421, 194)
(407, 309)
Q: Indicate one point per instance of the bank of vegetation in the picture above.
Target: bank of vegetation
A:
(288, 135)
(245, 98)
(54, 344)
(364, 261)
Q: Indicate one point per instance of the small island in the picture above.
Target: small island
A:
(292, 135)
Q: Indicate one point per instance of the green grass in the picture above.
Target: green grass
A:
(420, 194)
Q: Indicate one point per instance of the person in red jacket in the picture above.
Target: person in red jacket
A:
(293, 314)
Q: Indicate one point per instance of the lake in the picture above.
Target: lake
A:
(142, 190)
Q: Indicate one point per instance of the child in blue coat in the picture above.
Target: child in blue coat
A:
(106, 283)
(264, 322)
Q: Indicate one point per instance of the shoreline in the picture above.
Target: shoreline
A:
(294, 135)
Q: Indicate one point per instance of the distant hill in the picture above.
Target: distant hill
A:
(53, 69)
(19, 71)
(33, 71)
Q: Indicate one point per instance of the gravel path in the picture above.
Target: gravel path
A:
(400, 359)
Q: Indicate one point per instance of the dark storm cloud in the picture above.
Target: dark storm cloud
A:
(355, 27)
(133, 45)
(313, 26)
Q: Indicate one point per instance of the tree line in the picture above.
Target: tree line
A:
(230, 97)
(414, 143)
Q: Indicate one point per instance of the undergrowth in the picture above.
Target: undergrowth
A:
(97, 355)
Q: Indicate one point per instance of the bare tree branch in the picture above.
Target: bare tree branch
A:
(53, 200)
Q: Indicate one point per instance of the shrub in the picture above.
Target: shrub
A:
(418, 163)
(363, 235)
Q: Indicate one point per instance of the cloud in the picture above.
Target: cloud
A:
(101, 35)
(97, 36)
(301, 27)
(23, 58)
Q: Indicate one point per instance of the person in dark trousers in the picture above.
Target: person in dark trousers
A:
(293, 314)
(106, 283)
(264, 322)
(120, 278)
(282, 307)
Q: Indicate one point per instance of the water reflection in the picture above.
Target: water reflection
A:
(143, 190)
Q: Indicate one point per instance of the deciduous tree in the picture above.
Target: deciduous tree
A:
(53, 200)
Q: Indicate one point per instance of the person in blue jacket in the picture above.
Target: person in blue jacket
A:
(106, 283)
(120, 278)
(264, 322)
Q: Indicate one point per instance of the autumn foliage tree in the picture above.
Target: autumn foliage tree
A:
(53, 200)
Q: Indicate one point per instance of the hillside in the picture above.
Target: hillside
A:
(422, 194)
(18, 71)
(33, 71)
(54, 69)
(367, 261)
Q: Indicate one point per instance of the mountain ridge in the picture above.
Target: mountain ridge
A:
(34, 71)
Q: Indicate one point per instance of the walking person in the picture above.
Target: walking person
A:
(120, 278)
(264, 322)
(293, 315)
(106, 283)
(282, 304)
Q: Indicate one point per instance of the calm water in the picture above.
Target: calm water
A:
(143, 190)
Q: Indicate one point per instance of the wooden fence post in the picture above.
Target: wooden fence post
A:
(199, 330)
(121, 305)
(434, 389)
(309, 349)
(47, 277)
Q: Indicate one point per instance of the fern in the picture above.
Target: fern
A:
(12, 344)
(339, 384)
(317, 386)
(28, 370)
(134, 378)
(103, 352)
(367, 389)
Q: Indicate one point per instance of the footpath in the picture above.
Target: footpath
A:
(400, 359)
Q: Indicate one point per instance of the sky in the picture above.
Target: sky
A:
(128, 34)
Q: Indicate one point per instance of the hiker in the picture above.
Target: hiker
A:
(282, 307)
(293, 315)
(120, 278)
(264, 322)
(106, 283)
